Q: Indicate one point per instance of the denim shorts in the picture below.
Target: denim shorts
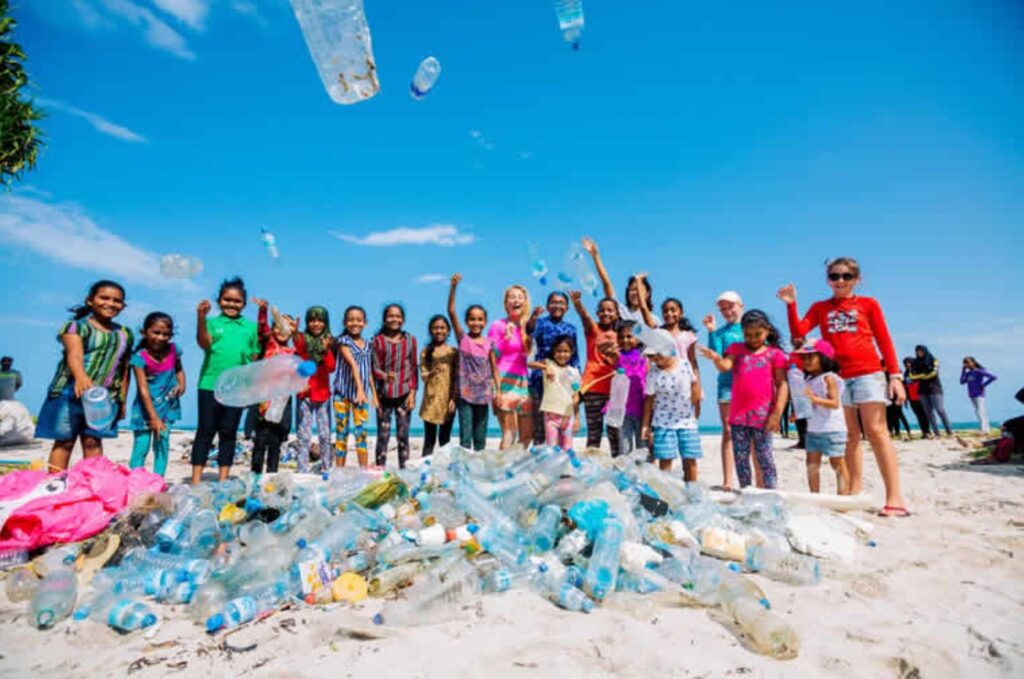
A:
(725, 393)
(869, 388)
(828, 443)
(62, 419)
(672, 443)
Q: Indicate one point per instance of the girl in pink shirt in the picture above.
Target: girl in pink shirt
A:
(513, 404)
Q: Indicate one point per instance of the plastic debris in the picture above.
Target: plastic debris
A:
(338, 38)
(180, 266)
(270, 243)
(425, 77)
(570, 20)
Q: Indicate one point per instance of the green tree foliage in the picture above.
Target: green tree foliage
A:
(20, 139)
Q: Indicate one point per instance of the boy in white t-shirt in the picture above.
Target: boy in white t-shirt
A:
(826, 428)
(670, 416)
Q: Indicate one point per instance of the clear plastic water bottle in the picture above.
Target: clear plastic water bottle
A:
(149, 582)
(571, 544)
(338, 38)
(783, 566)
(545, 531)
(124, 614)
(243, 609)
(53, 599)
(770, 633)
(171, 534)
(428, 600)
(579, 267)
(12, 556)
(246, 385)
(505, 546)
(269, 242)
(616, 413)
(180, 266)
(538, 267)
(139, 557)
(659, 341)
(425, 77)
(21, 585)
(570, 20)
(99, 408)
(572, 598)
(203, 532)
(603, 568)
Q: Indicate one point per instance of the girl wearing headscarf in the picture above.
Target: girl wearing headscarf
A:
(316, 344)
(925, 371)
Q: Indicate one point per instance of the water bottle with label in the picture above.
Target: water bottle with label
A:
(603, 568)
(425, 77)
(616, 413)
(570, 20)
(269, 242)
(338, 38)
(274, 377)
(243, 609)
(538, 267)
(99, 408)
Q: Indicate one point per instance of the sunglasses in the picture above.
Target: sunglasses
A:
(841, 276)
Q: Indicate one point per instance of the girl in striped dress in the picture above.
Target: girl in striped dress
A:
(396, 374)
(354, 390)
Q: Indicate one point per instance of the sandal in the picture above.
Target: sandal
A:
(890, 510)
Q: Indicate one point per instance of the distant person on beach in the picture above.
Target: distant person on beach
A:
(96, 353)
(854, 326)
(478, 370)
(160, 384)
(914, 398)
(10, 379)
(1009, 442)
(513, 404)
(974, 375)
(354, 389)
(438, 366)
(801, 405)
(826, 431)
(544, 330)
(228, 340)
(638, 302)
(396, 376)
(925, 371)
(895, 418)
(601, 336)
(730, 305)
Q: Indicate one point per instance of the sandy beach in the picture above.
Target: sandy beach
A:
(941, 595)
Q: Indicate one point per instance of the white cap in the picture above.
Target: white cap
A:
(730, 296)
(659, 342)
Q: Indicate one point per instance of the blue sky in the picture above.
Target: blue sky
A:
(716, 147)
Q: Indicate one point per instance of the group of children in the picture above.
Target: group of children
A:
(525, 365)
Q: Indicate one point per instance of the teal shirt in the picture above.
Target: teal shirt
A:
(717, 342)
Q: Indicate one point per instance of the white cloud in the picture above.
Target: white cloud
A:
(189, 12)
(249, 9)
(25, 320)
(432, 278)
(99, 122)
(108, 14)
(445, 235)
(61, 232)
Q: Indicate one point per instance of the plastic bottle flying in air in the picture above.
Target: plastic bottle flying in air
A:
(180, 266)
(570, 20)
(538, 267)
(338, 38)
(281, 375)
(578, 267)
(425, 77)
(269, 242)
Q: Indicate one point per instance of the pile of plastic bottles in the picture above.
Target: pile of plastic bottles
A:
(577, 529)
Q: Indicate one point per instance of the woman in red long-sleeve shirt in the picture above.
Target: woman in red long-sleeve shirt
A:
(854, 325)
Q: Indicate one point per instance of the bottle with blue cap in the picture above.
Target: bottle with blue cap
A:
(275, 377)
(54, 598)
(425, 77)
(243, 609)
(171, 534)
(538, 267)
(570, 20)
(544, 531)
(603, 567)
(150, 582)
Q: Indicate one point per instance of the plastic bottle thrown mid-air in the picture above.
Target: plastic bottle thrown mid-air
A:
(538, 267)
(338, 38)
(570, 20)
(271, 378)
(180, 266)
(269, 242)
(425, 77)
(578, 270)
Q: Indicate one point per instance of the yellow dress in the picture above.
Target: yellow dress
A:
(438, 384)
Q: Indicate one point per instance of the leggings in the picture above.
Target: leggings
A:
(593, 405)
(161, 450)
(558, 431)
(436, 433)
(921, 415)
(215, 418)
(350, 418)
(801, 432)
(933, 405)
(742, 439)
(320, 414)
(269, 437)
(894, 417)
(472, 425)
(395, 406)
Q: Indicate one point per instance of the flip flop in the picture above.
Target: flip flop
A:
(889, 510)
(96, 557)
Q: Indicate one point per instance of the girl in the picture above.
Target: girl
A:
(354, 390)
(638, 305)
(730, 306)
(977, 378)
(632, 362)
(670, 414)
(96, 352)
(160, 381)
(511, 342)
(228, 340)
(396, 378)
(854, 326)
(544, 331)
(316, 344)
(478, 371)
(826, 430)
(925, 371)
(597, 377)
(437, 368)
(894, 418)
(914, 398)
(561, 404)
(759, 393)
(270, 434)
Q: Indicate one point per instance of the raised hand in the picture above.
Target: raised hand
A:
(707, 353)
(456, 279)
(787, 293)
(259, 302)
(203, 308)
(709, 322)
(576, 296)
(589, 245)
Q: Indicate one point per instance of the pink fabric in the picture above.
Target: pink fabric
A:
(96, 490)
(508, 342)
(753, 383)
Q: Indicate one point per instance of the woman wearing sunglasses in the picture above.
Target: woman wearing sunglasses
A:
(854, 325)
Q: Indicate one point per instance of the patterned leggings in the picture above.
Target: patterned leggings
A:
(742, 438)
(310, 412)
(350, 418)
(396, 406)
(594, 404)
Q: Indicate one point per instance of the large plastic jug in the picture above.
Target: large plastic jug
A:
(99, 408)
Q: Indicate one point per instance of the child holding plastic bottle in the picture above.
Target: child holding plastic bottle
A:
(759, 393)
(396, 377)
(513, 404)
(160, 383)
(354, 388)
(96, 353)
(228, 341)
(597, 376)
(545, 330)
(630, 359)
(314, 404)
(478, 371)
(670, 413)
(437, 368)
(270, 432)
(561, 402)
(826, 428)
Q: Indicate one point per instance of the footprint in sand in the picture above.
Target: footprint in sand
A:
(870, 586)
(983, 647)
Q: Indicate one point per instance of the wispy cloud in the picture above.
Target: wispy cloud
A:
(25, 320)
(432, 278)
(481, 140)
(445, 235)
(97, 121)
(108, 14)
(189, 12)
(61, 232)
(249, 9)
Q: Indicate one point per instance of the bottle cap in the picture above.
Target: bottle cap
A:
(149, 620)
(301, 543)
(473, 528)
(214, 622)
(306, 368)
(378, 620)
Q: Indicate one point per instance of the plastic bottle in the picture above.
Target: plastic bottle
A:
(769, 632)
(53, 599)
(242, 609)
(180, 266)
(204, 532)
(545, 531)
(577, 262)
(150, 582)
(171, 533)
(98, 408)
(571, 598)
(387, 581)
(431, 599)
(11, 557)
(280, 375)
(538, 267)
(571, 544)
(425, 77)
(21, 585)
(506, 546)
(207, 600)
(269, 242)
(338, 38)
(198, 569)
(788, 567)
(570, 20)
(616, 413)
(123, 613)
(654, 341)
(603, 568)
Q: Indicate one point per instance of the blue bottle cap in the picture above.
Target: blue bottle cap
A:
(473, 528)
(149, 620)
(301, 543)
(214, 622)
(378, 620)
(306, 368)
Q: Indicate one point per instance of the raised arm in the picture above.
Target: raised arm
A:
(577, 301)
(531, 324)
(262, 324)
(722, 363)
(602, 273)
(645, 311)
(453, 314)
(202, 332)
(798, 327)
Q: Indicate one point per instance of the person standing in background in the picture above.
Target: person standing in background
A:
(802, 408)
(730, 305)
(894, 418)
(914, 398)
(976, 378)
(925, 371)
(10, 379)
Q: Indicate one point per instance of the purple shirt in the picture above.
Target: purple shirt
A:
(976, 381)
(635, 365)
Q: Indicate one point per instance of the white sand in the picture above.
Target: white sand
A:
(942, 595)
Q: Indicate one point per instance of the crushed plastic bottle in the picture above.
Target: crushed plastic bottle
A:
(570, 20)
(425, 77)
(538, 267)
(788, 567)
(616, 413)
(338, 37)
(53, 599)
(246, 385)
(445, 587)
(99, 408)
(178, 266)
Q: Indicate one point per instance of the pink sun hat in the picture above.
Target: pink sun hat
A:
(817, 346)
